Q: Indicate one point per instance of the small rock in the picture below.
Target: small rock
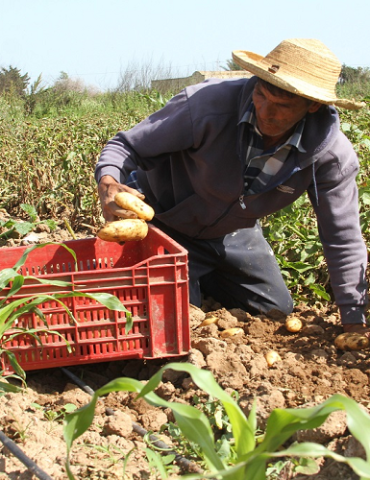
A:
(196, 316)
(196, 358)
(334, 426)
(313, 330)
(118, 424)
(209, 345)
(165, 390)
(153, 420)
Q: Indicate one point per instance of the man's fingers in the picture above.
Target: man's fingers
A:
(119, 212)
(133, 191)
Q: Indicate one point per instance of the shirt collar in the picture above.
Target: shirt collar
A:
(294, 140)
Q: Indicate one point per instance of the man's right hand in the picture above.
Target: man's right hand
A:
(107, 189)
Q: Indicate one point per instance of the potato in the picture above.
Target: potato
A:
(293, 324)
(209, 320)
(351, 341)
(128, 201)
(272, 357)
(230, 332)
(125, 230)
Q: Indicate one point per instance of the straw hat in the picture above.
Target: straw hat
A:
(301, 66)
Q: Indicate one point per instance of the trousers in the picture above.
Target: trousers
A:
(238, 270)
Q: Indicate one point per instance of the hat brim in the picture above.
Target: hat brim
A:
(255, 64)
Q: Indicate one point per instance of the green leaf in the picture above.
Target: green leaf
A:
(23, 258)
(50, 281)
(242, 430)
(8, 387)
(320, 291)
(298, 266)
(6, 275)
(14, 363)
(307, 466)
(365, 198)
(30, 210)
(155, 461)
(17, 284)
(307, 449)
(23, 228)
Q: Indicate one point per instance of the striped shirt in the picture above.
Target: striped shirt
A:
(260, 165)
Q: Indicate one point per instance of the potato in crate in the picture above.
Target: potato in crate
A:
(149, 277)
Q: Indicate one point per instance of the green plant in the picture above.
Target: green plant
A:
(55, 415)
(252, 455)
(11, 310)
(20, 429)
(22, 228)
(293, 235)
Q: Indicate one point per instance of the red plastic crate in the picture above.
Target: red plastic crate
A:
(149, 277)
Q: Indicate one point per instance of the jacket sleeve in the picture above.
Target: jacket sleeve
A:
(334, 196)
(152, 140)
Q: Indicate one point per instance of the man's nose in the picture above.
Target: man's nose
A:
(268, 110)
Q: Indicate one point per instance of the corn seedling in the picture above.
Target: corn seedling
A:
(12, 310)
(251, 456)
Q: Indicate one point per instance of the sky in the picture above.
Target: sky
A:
(97, 41)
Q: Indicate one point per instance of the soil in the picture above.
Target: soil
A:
(310, 370)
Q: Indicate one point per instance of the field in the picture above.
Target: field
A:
(48, 193)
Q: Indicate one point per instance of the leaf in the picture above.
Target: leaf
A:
(307, 466)
(6, 275)
(14, 363)
(30, 210)
(308, 449)
(23, 259)
(50, 281)
(17, 284)
(320, 291)
(155, 461)
(23, 227)
(298, 266)
(365, 198)
(8, 387)
(242, 431)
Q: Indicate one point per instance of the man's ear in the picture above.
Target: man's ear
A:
(314, 107)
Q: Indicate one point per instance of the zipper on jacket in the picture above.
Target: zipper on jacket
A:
(241, 201)
(242, 204)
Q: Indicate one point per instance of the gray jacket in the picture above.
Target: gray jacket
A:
(189, 158)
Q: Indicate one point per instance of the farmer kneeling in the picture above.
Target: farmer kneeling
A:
(224, 153)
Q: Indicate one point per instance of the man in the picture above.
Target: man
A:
(222, 154)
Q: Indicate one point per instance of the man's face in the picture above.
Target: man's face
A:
(277, 115)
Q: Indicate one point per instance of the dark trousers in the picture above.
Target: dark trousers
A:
(238, 270)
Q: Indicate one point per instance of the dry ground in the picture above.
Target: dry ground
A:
(311, 369)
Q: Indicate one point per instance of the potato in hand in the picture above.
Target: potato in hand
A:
(128, 201)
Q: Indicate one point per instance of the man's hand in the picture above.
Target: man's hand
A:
(107, 189)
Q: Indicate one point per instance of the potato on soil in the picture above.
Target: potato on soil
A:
(126, 230)
(230, 332)
(272, 357)
(351, 341)
(209, 320)
(293, 324)
(128, 201)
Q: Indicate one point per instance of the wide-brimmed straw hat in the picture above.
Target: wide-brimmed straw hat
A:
(305, 67)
